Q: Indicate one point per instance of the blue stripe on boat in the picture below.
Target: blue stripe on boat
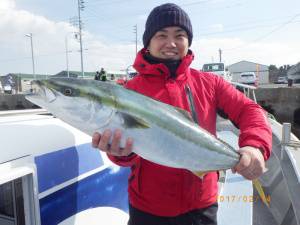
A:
(106, 188)
(60, 166)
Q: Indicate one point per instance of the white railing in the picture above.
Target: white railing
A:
(247, 89)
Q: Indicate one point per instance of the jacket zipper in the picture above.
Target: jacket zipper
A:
(191, 103)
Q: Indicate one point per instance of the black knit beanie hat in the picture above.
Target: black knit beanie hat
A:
(167, 15)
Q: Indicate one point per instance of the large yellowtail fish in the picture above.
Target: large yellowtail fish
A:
(162, 133)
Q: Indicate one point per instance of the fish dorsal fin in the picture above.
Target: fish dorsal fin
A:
(185, 113)
(133, 122)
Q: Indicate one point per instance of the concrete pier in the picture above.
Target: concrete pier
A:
(15, 102)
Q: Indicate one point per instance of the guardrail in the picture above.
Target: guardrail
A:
(247, 89)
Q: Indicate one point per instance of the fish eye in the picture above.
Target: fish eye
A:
(68, 92)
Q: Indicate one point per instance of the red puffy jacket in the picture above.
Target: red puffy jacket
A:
(166, 191)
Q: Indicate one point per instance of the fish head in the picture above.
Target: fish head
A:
(44, 92)
(54, 90)
(85, 104)
(39, 93)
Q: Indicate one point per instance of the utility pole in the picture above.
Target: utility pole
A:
(220, 54)
(32, 55)
(135, 31)
(67, 53)
(80, 8)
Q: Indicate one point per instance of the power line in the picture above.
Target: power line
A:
(272, 19)
(104, 3)
(108, 3)
(267, 34)
(241, 29)
(233, 4)
(109, 18)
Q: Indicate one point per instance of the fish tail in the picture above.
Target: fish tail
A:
(261, 193)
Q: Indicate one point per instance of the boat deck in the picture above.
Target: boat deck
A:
(239, 203)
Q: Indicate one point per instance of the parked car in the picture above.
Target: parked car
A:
(281, 80)
(7, 89)
(248, 78)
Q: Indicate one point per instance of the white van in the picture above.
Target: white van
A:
(219, 69)
(248, 78)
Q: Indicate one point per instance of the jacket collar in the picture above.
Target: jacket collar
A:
(143, 67)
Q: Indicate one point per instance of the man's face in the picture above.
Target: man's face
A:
(169, 43)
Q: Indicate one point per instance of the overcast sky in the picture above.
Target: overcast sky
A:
(262, 31)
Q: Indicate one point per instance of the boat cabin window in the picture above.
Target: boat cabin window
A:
(12, 203)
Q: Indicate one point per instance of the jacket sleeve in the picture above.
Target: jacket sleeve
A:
(251, 119)
(124, 160)
(130, 85)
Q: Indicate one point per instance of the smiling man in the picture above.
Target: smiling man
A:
(160, 195)
(169, 43)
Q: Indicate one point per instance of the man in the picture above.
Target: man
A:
(103, 75)
(97, 76)
(160, 195)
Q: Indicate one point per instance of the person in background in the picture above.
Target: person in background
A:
(160, 195)
(103, 75)
(97, 76)
(112, 77)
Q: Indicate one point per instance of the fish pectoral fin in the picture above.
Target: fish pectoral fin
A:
(199, 174)
(261, 193)
(133, 122)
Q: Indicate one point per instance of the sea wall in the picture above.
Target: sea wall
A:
(14, 102)
(283, 103)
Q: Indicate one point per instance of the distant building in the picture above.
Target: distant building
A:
(29, 76)
(294, 73)
(261, 71)
(10, 83)
(91, 75)
(75, 74)
(16, 81)
(24, 77)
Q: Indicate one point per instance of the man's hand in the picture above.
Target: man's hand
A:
(251, 164)
(101, 141)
